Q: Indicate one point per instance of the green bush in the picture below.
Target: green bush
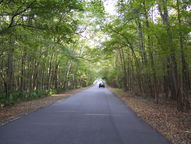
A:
(19, 96)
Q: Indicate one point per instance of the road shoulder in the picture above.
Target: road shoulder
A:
(174, 125)
(11, 113)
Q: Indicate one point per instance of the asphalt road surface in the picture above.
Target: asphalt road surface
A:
(93, 116)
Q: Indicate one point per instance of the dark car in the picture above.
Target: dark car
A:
(101, 85)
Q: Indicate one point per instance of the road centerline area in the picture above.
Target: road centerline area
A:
(92, 116)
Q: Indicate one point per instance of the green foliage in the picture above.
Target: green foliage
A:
(41, 51)
(49, 45)
(150, 52)
(96, 7)
(18, 96)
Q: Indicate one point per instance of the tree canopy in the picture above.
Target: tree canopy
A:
(49, 45)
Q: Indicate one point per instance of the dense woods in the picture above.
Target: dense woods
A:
(150, 43)
(41, 51)
(46, 46)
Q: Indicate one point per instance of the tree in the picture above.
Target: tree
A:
(40, 48)
(150, 51)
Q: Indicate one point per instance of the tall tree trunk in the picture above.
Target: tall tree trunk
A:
(124, 70)
(50, 73)
(141, 42)
(184, 73)
(23, 76)
(56, 76)
(172, 68)
(153, 82)
(10, 76)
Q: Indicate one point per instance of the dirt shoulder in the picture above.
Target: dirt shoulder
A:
(13, 112)
(174, 125)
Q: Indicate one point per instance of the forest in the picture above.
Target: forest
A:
(149, 50)
(52, 45)
(41, 49)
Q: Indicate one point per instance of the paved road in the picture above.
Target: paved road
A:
(93, 116)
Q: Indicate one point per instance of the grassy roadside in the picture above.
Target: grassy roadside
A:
(174, 125)
(10, 113)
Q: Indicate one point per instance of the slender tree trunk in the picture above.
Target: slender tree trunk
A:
(10, 67)
(153, 86)
(35, 76)
(56, 76)
(50, 73)
(141, 42)
(123, 65)
(184, 78)
(23, 77)
(66, 80)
